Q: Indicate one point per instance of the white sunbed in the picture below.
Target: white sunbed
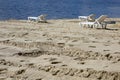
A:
(32, 18)
(91, 17)
(40, 18)
(99, 22)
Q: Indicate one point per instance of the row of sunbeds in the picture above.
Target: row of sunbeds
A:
(85, 21)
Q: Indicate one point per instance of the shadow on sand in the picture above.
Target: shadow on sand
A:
(112, 29)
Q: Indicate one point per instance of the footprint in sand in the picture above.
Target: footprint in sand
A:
(63, 65)
(39, 79)
(22, 60)
(3, 78)
(116, 52)
(3, 70)
(95, 41)
(81, 63)
(61, 44)
(119, 43)
(55, 62)
(50, 58)
(106, 50)
(3, 48)
(92, 46)
(30, 65)
(74, 40)
(71, 45)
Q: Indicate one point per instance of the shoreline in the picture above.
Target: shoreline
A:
(113, 18)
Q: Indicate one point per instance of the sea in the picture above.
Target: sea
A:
(58, 9)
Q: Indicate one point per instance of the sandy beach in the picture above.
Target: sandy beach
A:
(58, 50)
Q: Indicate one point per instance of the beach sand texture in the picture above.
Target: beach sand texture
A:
(58, 50)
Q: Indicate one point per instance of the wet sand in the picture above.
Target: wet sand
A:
(58, 50)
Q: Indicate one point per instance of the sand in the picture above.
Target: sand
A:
(58, 50)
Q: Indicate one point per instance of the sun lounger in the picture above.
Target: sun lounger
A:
(91, 18)
(99, 22)
(40, 18)
(32, 18)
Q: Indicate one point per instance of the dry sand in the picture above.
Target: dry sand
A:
(58, 50)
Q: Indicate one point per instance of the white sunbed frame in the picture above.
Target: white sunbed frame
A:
(32, 18)
(38, 19)
(97, 23)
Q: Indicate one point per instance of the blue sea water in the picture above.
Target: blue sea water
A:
(57, 9)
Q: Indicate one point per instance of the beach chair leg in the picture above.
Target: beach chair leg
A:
(80, 24)
(93, 26)
(88, 25)
(85, 26)
(97, 26)
(105, 25)
(28, 19)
